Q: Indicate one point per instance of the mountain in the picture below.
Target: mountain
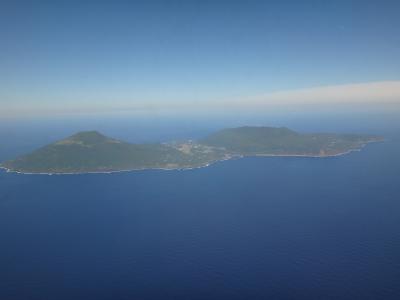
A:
(283, 141)
(90, 151)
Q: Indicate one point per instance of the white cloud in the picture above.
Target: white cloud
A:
(384, 92)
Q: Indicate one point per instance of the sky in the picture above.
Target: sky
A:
(100, 56)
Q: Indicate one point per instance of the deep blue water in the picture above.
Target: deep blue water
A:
(254, 228)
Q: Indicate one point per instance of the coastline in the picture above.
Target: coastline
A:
(233, 156)
(108, 172)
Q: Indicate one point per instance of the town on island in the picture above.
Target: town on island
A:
(92, 152)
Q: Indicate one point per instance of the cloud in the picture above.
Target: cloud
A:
(384, 92)
(357, 96)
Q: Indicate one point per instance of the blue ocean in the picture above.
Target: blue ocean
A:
(252, 228)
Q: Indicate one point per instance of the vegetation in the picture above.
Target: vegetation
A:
(283, 141)
(91, 151)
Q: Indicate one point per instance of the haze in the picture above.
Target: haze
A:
(197, 56)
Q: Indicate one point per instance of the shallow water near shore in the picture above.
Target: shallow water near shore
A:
(250, 228)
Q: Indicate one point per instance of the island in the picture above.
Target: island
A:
(93, 152)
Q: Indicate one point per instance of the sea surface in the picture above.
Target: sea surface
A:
(251, 228)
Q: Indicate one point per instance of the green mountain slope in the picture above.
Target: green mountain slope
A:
(283, 141)
(91, 151)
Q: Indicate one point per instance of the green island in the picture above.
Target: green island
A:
(90, 151)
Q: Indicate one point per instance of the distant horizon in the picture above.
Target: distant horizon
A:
(209, 149)
(83, 57)
(384, 95)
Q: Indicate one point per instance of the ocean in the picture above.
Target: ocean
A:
(251, 228)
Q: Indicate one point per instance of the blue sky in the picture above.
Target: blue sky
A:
(74, 56)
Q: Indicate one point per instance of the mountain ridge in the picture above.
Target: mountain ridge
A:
(91, 151)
